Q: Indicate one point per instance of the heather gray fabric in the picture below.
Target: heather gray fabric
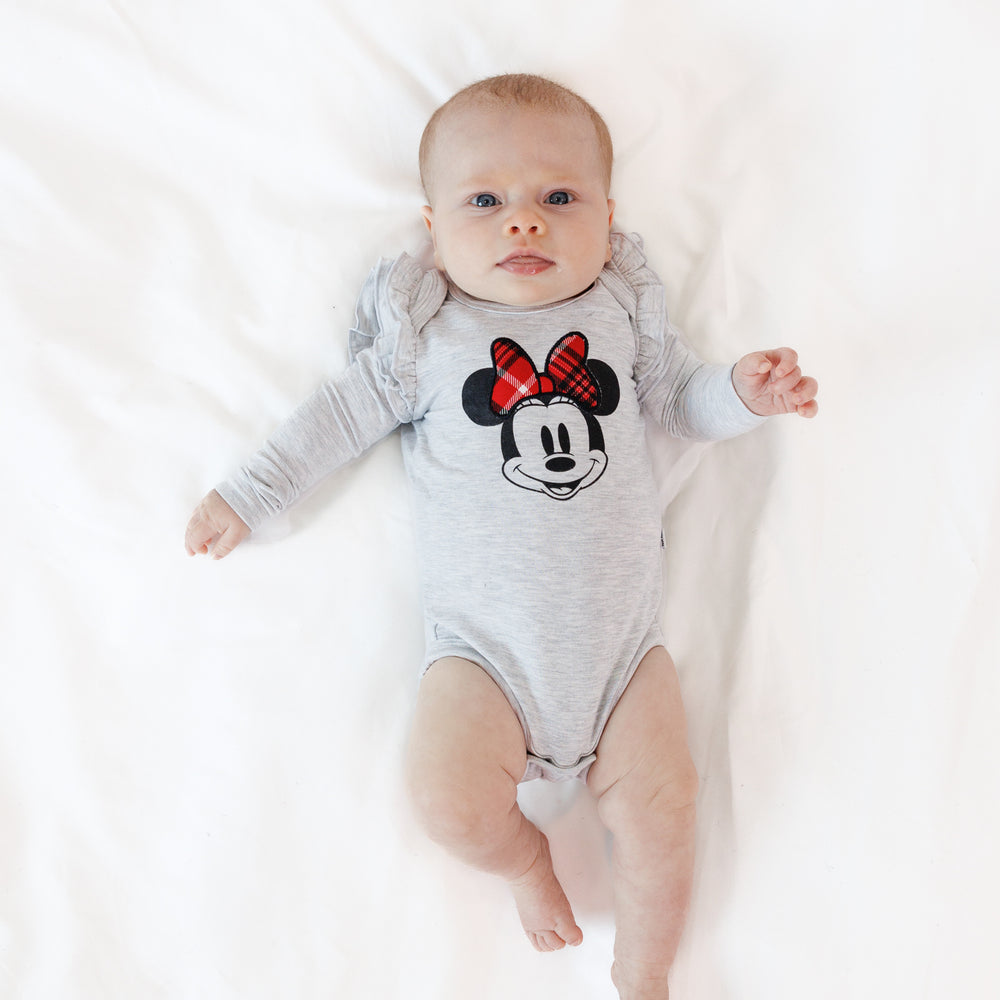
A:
(539, 528)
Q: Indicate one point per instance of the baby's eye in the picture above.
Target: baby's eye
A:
(559, 198)
(485, 201)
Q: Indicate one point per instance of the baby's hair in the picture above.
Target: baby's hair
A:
(518, 90)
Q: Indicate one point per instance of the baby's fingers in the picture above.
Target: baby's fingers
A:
(784, 361)
(199, 535)
(804, 397)
(786, 383)
(751, 366)
(214, 527)
(229, 539)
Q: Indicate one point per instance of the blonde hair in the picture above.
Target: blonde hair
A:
(523, 90)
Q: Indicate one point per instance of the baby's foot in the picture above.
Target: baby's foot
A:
(542, 905)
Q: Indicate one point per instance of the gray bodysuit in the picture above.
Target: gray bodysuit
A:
(536, 512)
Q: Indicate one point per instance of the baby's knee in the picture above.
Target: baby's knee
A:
(453, 813)
(442, 812)
(652, 798)
(674, 800)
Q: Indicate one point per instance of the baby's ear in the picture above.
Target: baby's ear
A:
(476, 395)
(428, 213)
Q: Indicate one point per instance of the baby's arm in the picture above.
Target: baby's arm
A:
(214, 528)
(340, 421)
(343, 418)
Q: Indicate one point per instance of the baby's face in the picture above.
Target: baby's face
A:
(520, 212)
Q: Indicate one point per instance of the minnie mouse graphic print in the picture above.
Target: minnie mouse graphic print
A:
(552, 442)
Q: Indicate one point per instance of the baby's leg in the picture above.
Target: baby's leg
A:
(645, 784)
(466, 757)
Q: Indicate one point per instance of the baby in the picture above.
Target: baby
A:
(520, 367)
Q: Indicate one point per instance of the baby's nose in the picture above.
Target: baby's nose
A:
(524, 222)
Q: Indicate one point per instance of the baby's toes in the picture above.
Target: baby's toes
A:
(569, 933)
(546, 940)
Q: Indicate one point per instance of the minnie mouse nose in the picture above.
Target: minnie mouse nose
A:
(560, 464)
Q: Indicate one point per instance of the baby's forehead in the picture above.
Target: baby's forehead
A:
(476, 120)
(466, 128)
(456, 120)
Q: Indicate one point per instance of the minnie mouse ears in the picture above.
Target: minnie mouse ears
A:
(491, 394)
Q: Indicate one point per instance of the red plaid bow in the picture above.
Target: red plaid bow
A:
(565, 372)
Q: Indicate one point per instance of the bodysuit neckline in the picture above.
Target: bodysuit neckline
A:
(484, 305)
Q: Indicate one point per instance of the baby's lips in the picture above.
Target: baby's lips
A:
(525, 262)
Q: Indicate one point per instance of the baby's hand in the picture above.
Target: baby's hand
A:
(771, 382)
(214, 527)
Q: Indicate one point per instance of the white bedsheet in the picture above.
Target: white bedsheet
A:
(200, 763)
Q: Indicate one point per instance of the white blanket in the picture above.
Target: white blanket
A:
(200, 763)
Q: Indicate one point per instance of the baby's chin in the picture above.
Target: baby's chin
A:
(525, 291)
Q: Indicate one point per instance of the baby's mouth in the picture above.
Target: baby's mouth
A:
(525, 264)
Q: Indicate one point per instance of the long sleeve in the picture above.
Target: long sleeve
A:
(350, 413)
(338, 422)
(692, 398)
(689, 397)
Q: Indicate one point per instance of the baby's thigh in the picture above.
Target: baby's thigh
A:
(466, 742)
(643, 753)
